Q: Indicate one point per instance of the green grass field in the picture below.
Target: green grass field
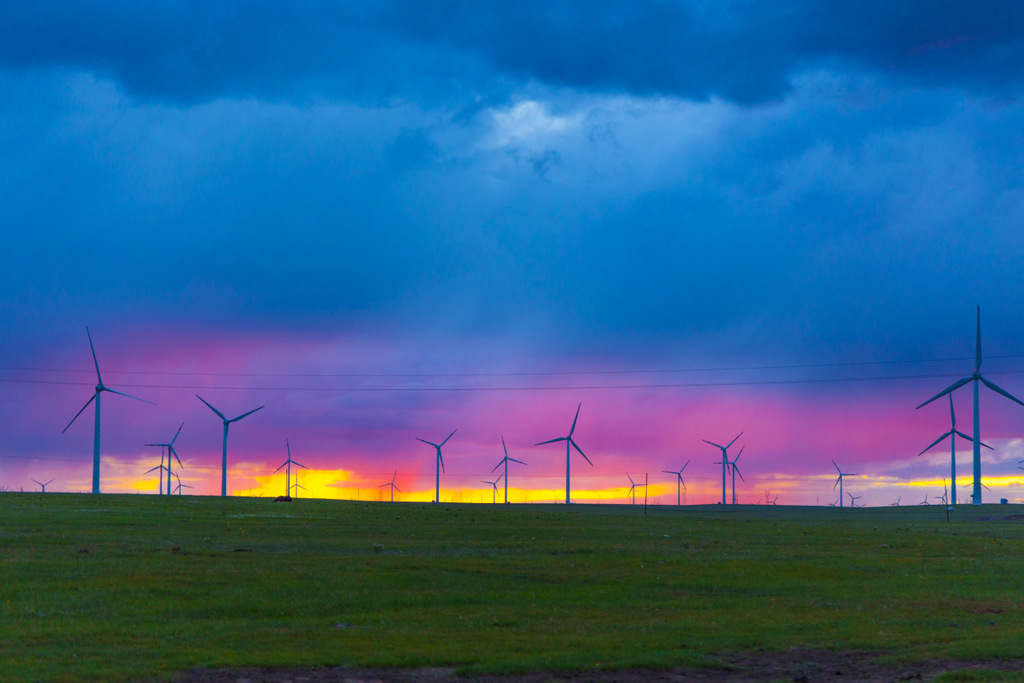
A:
(117, 587)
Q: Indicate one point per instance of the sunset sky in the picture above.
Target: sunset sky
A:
(390, 220)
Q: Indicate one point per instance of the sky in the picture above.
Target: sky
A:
(387, 221)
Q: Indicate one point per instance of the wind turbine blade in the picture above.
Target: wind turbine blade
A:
(669, 472)
(935, 443)
(737, 471)
(394, 476)
(502, 462)
(299, 464)
(684, 467)
(998, 390)
(952, 413)
(440, 459)
(738, 455)
(449, 436)
(734, 440)
(177, 432)
(838, 479)
(953, 387)
(518, 461)
(630, 479)
(971, 439)
(977, 346)
(397, 489)
(578, 450)
(158, 467)
(573, 428)
(712, 443)
(837, 467)
(246, 414)
(498, 479)
(175, 453)
(561, 438)
(121, 393)
(282, 465)
(426, 442)
(289, 447)
(79, 413)
(504, 447)
(219, 414)
(99, 379)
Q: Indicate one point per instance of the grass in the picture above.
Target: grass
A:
(115, 587)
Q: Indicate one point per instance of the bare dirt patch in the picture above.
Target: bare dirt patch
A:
(797, 664)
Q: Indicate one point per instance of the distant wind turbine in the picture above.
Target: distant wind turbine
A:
(505, 461)
(180, 486)
(569, 444)
(897, 503)
(170, 452)
(977, 379)
(438, 464)
(288, 473)
(100, 388)
(632, 488)
(952, 434)
(42, 485)
(494, 487)
(391, 484)
(680, 484)
(296, 486)
(224, 452)
(725, 460)
(854, 499)
(839, 481)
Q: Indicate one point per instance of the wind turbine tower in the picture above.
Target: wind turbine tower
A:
(680, 484)
(977, 379)
(100, 388)
(224, 452)
(725, 460)
(505, 461)
(569, 444)
(438, 465)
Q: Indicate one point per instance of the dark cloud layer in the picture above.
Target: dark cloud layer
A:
(744, 52)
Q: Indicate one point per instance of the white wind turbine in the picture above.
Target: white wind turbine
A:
(680, 484)
(170, 452)
(100, 388)
(839, 481)
(438, 465)
(569, 444)
(952, 434)
(288, 473)
(725, 460)
(977, 379)
(494, 487)
(224, 452)
(505, 461)
(391, 484)
(42, 485)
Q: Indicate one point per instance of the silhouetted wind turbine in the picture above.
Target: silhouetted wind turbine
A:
(505, 461)
(839, 481)
(100, 388)
(288, 473)
(569, 444)
(897, 503)
(632, 488)
(162, 468)
(391, 484)
(494, 486)
(952, 434)
(170, 452)
(438, 465)
(180, 486)
(976, 378)
(41, 484)
(854, 499)
(725, 460)
(224, 452)
(680, 484)
(296, 486)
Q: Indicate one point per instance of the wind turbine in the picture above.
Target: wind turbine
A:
(288, 473)
(161, 468)
(494, 486)
(725, 459)
(224, 453)
(180, 486)
(897, 503)
(680, 484)
(392, 485)
(438, 465)
(977, 379)
(632, 488)
(854, 499)
(41, 484)
(170, 452)
(100, 388)
(296, 486)
(839, 481)
(952, 434)
(735, 471)
(505, 461)
(569, 443)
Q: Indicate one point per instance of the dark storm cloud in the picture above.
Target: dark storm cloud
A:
(743, 52)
